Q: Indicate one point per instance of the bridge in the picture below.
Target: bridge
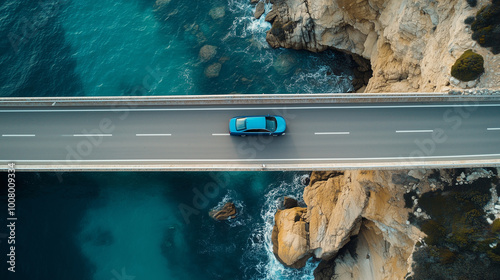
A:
(187, 133)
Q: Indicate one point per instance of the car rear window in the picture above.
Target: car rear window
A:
(241, 124)
(271, 124)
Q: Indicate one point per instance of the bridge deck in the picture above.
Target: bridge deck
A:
(189, 137)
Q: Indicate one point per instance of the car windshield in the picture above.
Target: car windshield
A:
(271, 124)
(241, 124)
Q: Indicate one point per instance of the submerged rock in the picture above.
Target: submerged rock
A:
(284, 63)
(228, 211)
(207, 52)
(224, 59)
(217, 12)
(213, 70)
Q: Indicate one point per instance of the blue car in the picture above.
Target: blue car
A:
(257, 125)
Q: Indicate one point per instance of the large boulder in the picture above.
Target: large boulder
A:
(228, 211)
(259, 10)
(289, 237)
(334, 212)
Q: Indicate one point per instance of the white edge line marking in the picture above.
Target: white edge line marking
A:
(493, 128)
(260, 160)
(18, 135)
(165, 134)
(90, 135)
(220, 134)
(332, 133)
(249, 108)
(414, 131)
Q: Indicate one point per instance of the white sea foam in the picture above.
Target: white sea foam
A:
(246, 26)
(320, 79)
(259, 249)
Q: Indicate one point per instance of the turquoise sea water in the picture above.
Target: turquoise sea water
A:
(104, 226)
(114, 226)
(143, 47)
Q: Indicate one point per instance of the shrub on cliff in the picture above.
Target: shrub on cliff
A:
(469, 66)
(446, 256)
(435, 232)
(469, 20)
(486, 27)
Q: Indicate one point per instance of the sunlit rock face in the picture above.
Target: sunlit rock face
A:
(290, 239)
(368, 206)
(411, 44)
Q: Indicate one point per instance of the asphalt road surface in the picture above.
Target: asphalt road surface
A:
(319, 133)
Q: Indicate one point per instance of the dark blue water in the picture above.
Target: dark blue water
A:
(140, 47)
(118, 226)
(151, 226)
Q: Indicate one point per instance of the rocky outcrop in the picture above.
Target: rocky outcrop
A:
(290, 240)
(334, 213)
(259, 10)
(411, 44)
(375, 257)
(366, 204)
(289, 202)
(228, 211)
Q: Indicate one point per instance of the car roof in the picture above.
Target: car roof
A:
(256, 122)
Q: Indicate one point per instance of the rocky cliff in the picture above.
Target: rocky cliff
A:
(358, 222)
(367, 204)
(411, 44)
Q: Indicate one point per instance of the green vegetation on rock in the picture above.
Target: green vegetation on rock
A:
(459, 240)
(435, 232)
(446, 256)
(472, 3)
(469, 66)
(495, 227)
(486, 27)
